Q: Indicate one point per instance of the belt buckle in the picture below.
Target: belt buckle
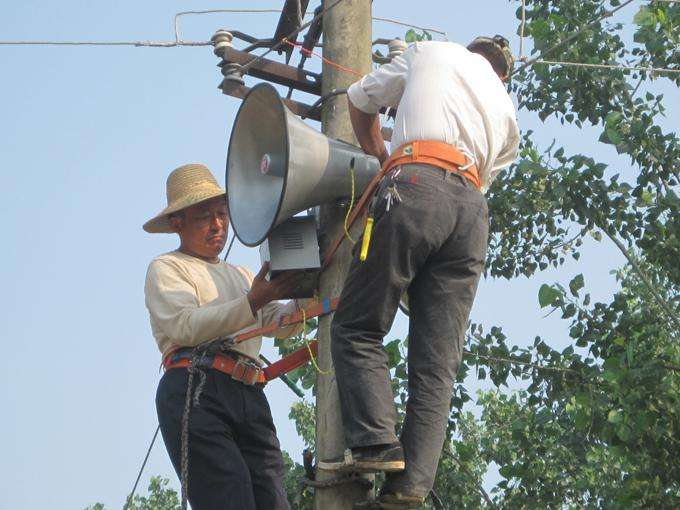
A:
(246, 371)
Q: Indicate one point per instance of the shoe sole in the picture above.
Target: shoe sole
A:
(364, 466)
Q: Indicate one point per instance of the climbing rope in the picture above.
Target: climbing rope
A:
(189, 402)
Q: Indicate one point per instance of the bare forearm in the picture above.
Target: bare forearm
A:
(367, 130)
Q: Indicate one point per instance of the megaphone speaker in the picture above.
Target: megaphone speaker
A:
(278, 166)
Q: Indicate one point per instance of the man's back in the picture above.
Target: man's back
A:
(446, 93)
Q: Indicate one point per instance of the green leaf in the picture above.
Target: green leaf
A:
(613, 118)
(547, 295)
(630, 357)
(411, 36)
(624, 432)
(615, 416)
(393, 353)
(613, 136)
(576, 284)
(645, 18)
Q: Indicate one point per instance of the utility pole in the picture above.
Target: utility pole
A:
(346, 41)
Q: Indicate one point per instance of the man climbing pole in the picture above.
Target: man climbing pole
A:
(455, 129)
(229, 455)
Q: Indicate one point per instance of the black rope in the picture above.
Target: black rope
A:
(141, 469)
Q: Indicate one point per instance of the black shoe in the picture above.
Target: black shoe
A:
(368, 459)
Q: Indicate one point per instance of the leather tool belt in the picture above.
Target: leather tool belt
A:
(240, 368)
(438, 154)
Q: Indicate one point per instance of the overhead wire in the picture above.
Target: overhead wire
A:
(214, 11)
(605, 14)
(294, 33)
(521, 30)
(609, 66)
(129, 499)
(404, 24)
(326, 60)
(151, 44)
(179, 42)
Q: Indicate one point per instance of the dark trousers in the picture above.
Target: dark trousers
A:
(433, 244)
(235, 459)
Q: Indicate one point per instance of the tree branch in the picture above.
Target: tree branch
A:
(644, 278)
(525, 363)
(485, 495)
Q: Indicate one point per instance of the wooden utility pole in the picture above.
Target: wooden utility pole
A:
(346, 41)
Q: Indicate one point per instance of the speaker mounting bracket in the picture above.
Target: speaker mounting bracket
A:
(270, 70)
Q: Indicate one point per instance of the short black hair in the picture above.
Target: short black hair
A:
(493, 54)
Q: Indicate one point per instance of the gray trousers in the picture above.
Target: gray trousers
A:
(433, 244)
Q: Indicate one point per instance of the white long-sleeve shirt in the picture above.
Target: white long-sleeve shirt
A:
(443, 92)
(191, 301)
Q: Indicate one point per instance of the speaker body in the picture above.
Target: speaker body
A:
(278, 166)
(293, 246)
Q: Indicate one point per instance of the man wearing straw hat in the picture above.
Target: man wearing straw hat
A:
(234, 457)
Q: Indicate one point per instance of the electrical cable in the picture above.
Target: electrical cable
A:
(351, 204)
(230, 245)
(141, 470)
(309, 348)
(326, 60)
(294, 33)
(608, 66)
(404, 24)
(573, 36)
(150, 44)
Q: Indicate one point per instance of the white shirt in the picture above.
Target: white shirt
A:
(445, 93)
(191, 301)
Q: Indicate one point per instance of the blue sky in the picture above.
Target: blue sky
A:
(87, 138)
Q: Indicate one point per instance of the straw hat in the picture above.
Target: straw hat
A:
(186, 186)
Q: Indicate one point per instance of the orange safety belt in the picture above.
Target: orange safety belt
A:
(295, 359)
(439, 154)
(429, 152)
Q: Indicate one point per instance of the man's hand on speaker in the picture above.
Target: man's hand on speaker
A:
(263, 291)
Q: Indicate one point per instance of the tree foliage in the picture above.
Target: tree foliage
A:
(161, 496)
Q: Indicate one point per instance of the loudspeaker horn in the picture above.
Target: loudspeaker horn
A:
(278, 166)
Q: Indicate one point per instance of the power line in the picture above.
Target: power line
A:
(150, 44)
(141, 469)
(605, 14)
(608, 66)
(404, 24)
(179, 42)
(278, 11)
(294, 33)
(232, 11)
